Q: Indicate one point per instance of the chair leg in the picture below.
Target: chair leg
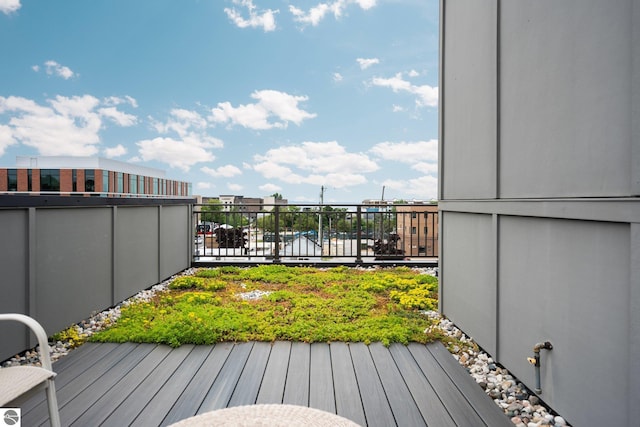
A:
(52, 402)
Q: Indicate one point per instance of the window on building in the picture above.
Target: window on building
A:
(141, 184)
(29, 180)
(414, 230)
(89, 180)
(120, 184)
(105, 181)
(426, 229)
(50, 179)
(155, 186)
(12, 180)
(133, 184)
(414, 215)
(74, 180)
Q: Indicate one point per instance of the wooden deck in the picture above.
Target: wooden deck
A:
(153, 385)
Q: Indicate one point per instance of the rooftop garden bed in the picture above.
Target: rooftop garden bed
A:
(273, 302)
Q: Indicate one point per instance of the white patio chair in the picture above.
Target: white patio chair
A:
(18, 380)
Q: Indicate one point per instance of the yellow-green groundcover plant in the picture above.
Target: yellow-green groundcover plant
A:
(274, 302)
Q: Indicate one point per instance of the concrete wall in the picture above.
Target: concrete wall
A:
(61, 264)
(539, 186)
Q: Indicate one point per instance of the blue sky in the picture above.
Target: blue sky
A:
(244, 97)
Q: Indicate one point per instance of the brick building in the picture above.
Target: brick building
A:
(418, 226)
(87, 175)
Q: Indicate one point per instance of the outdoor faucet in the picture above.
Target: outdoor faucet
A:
(535, 361)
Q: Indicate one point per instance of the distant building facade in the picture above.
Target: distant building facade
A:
(418, 224)
(88, 176)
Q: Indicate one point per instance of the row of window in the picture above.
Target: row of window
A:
(50, 180)
(112, 182)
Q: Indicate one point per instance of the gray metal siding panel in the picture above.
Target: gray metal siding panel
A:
(565, 95)
(469, 116)
(469, 294)
(73, 271)
(567, 282)
(568, 162)
(136, 250)
(14, 268)
(175, 240)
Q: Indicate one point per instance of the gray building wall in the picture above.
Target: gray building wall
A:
(539, 186)
(61, 264)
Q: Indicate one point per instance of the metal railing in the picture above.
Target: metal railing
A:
(310, 234)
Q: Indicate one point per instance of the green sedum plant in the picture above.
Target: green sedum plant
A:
(298, 304)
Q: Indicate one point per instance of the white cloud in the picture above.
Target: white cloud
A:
(427, 95)
(269, 188)
(67, 126)
(366, 63)
(265, 20)
(53, 68)
(6, 138)
(176, 153)
(235, 187)
(425, 167)
(413, 73)
(317, 163)
(271, 104)
(116, 100)
(337, 77)
(118, 117)
(318, 12)
(425, 187)
(204, 185)
(398, 108)
(117, 151)
(9, 6)
(192, 145)
(226, 171)
(408, 152)
(182, 122)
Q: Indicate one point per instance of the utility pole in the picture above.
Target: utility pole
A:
(320, 220)
(384, 209)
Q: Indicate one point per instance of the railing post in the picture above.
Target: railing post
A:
(276, 255)
(359, 235)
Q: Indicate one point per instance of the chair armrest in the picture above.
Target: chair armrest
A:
(39, 332)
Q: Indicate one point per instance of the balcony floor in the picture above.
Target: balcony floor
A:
(153, 385)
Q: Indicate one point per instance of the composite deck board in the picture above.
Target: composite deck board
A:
(404, 408)
(78, 384)
(130, 409)
(296, 390)
(348, 402)
(275, 374)
(224, 385)
(193, 395)
(492, 415)
(248, 386)
(161, 403)
(321, 391)
(152, 385)
(82, 363)
(464, 416)
(106, 381)
(374, 399)
(426, 398)
(117, 394)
